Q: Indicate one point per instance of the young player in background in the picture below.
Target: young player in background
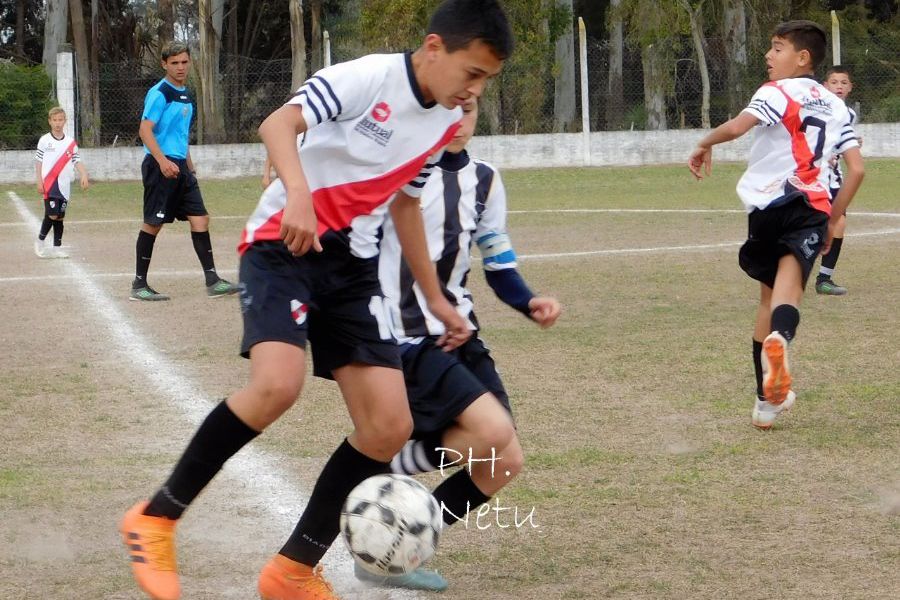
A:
(309, 271)
(798, 125)
(55, 156)
(457, 399)
(838, 82)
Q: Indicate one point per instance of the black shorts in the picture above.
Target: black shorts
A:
(332, 299)
(55, 207)
(168, 199)
(441, 385)
(792, 228)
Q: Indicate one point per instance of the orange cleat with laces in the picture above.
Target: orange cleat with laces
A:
(151, 546)
(285, 579)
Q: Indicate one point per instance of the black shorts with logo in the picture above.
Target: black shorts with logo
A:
(168, 199)
(55, 207)
(441, 385)
(332, 298)
(793, 227)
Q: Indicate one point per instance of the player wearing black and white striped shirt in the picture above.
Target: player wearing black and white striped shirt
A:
(457, 398)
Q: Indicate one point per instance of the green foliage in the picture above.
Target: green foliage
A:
(25, 98)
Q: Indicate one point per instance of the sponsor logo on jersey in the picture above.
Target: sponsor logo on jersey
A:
(298, 312)
(374, 131)
(381, 112)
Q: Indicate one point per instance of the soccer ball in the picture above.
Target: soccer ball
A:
(391, 524)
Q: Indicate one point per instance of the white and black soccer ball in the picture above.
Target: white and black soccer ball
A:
(391, 524)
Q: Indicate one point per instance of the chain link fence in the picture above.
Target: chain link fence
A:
(526, 98)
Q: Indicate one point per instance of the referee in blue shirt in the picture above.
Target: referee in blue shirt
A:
(170, 186)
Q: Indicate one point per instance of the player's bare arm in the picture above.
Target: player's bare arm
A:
(700, 161)
(853, 176)
(411, 233)
(545, 311)
(298, 223)
(84, 175)
(169, 169)
(40, 179)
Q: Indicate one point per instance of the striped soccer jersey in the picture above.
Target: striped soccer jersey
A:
(369, 134)
(835, 177)
(802, 126)
(57, 158)
(459, 206)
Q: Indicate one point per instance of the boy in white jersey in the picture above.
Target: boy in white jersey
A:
(837, 80)
(53, 171)
(799, 125)
(457, 399)
(374, 127)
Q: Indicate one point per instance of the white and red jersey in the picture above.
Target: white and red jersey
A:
(57, 157)
(369, 134)
(802, 125)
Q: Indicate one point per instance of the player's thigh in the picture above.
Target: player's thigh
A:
(485, 426)
(376, 401)
(277, 371)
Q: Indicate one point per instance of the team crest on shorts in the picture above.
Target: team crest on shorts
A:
(298, 312)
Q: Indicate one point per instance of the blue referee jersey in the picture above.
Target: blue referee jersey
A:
(170, 109)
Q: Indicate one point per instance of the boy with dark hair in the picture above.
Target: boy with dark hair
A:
(55, 156)
(457, 398)
(799, 125)
(171, 190)
(374, 128)
(838, 82)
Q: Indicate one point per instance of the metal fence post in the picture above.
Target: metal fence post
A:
(65, 86)
(326, 49)
(835, 39)
(585, 107)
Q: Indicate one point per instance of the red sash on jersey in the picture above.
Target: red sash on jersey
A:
(57, 168)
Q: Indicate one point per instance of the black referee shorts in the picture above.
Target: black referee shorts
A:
(168, 199)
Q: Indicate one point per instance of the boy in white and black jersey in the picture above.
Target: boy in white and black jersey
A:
(374, 127)
(56, 154)
(799, 125)
(838, 82)
(457, 398)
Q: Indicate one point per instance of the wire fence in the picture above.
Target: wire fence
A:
(534, 96)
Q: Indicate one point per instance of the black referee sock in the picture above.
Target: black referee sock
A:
(203, 248)
(143, 254)
(219, 438)
(458, 495)
(785, 319)
(320, 522)
(757, 366)
(46, 226)
(57, 232)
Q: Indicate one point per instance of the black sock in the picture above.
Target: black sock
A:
(219, 438)
(829, 261)
(203, 248)
(757, 366)
(458, 495)
(320, 522)
(57, 232)
(143, 254)
(420, 456)
(46, 225)
(785, 319)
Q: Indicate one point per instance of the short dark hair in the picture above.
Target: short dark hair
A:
(841, 70)
(804, 35)
(171, 49)
(460, 22)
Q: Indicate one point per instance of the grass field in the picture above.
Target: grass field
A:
(643, 474)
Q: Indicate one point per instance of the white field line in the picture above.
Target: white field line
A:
(259, 471)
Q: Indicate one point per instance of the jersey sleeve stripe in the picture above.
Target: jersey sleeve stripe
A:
(309, 103)
(337, 103)
(316, 91)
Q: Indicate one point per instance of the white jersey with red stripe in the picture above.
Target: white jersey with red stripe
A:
(802, 126)
(369, 134)
(57, 156)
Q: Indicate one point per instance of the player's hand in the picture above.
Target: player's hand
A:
(458, 331)
(700, 162)
(859, 140)
(40, 189)
(169, 169)
(829, 237)
(266, 180)
(545, 311)
(299, 225)
(84, 182)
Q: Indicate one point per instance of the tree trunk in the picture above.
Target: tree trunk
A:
(697, 36)
(564, 84)
(95, 69)
(166, 31)
(298, 45)
(211, 123)
(317, 60)
(735, 34)
(54, 35)
(85, 104)
(20, 28)
(653, 61)
(615, 102)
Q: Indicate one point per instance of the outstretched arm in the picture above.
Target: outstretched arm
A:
(700, 161)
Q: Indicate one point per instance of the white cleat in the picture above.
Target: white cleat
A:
(40, 249)
(58, 252)
(765, 413)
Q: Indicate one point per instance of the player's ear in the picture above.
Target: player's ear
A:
(804, 58)
(433, 44)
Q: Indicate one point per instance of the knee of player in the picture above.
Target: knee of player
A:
(512, 460)
(388, 429)
(277, 395)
